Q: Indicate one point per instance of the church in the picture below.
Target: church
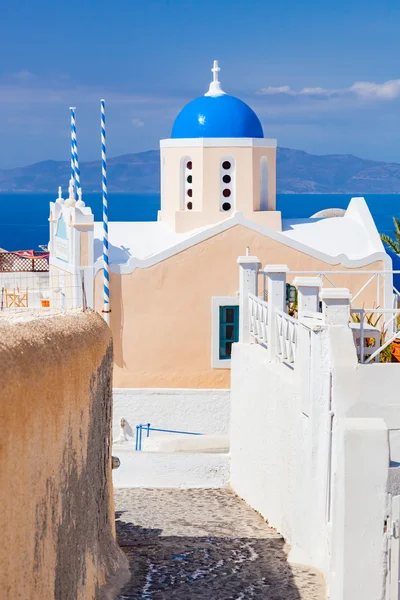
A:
(174, 282)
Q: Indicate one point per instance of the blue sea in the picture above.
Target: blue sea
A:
(24, 225)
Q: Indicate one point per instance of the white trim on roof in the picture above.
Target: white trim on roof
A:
(238, 219)
(218, 143)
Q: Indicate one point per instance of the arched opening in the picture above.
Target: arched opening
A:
(186, 193)
(227, 184)
(264, 183)
(163, 183)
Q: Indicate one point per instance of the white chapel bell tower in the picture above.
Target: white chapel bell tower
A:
(217, 162)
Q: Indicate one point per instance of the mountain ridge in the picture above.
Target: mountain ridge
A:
(297, 172)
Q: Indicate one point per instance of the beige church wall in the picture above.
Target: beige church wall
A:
(161, 315)
(206, 175)
(84, 249)
(170, 160)
(270, 154)
(57, 513)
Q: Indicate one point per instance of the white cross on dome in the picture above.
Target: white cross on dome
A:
(215, 85)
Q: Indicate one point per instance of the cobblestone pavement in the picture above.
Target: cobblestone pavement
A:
(205, 544)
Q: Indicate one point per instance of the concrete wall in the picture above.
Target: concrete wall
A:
(161, 316)
(201, 411)
(57, 520)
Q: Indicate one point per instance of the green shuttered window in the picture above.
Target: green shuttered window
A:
(228, 330)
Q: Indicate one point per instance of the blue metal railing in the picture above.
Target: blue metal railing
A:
(148, 428)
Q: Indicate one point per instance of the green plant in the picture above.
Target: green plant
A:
(370, 318)
(393, 243)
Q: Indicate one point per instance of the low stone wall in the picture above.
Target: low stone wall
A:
(170, 469)
(202, 411)
(57, 517)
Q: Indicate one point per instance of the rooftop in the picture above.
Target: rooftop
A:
(354, 235)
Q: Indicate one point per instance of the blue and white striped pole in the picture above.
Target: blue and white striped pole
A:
(74, 153)
(71, 187)
(106, 273)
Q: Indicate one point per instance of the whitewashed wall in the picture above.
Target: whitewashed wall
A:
(170, 470)
(202, 411)
(310, 452)
(280, 440)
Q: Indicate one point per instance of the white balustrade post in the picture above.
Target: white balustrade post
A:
(307, 293)
(336, 306)
(276, 286)
(248, 272)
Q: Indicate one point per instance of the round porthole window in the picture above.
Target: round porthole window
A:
(189, 179)
(226, 165)
(226, 193)
(190, 192)
(189, 205)
(226, 179)
(226, 206)
(189, 165)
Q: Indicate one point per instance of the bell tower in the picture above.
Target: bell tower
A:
(217, 163)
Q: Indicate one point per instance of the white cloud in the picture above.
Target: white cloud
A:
(282, 89)
(137, 122)
(388, 90)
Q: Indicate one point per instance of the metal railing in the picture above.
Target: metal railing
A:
(22, 291)
(370, 333)
(258, 317)
(286, 331)
(147, 428)
(370, 278)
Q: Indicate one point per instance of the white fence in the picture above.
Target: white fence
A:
(375, 330)
(258, 319)
(373, 287)
(286, 327)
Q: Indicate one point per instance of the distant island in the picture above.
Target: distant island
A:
(298, 172)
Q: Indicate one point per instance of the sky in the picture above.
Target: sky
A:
(323, 76)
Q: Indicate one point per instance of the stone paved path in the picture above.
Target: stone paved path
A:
(205, 544)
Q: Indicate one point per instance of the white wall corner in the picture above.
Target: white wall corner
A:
(359, 510)
(358, 211)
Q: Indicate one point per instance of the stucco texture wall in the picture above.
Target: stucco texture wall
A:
(56, 498)
(161, 315)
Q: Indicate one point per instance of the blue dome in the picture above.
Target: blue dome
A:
(217, 117)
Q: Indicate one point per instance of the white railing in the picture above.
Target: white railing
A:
(383, 280)
(310, 314)
(374, 331)
(258, 317)
(286, 332)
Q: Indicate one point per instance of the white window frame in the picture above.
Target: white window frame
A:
(216, 302)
